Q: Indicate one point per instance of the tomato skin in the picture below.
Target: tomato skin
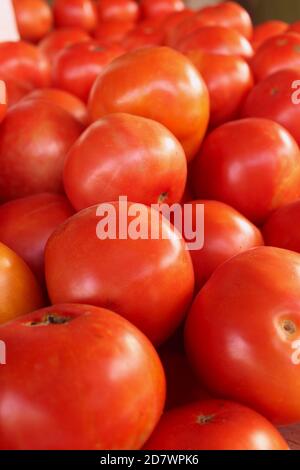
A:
(118, 10)
(253, 328)
(144, 162)
(294, 27)
(143, 36)
(264, 31)
(131, 382)
(27, 223)
(255, 178)
(3, 100)
(75, 13)
(176, 97)
(216, 40)
(151, 266)
(112, 32)
(34, 18)
(157, 8)
(58, 39)
(228, 79)
(280, 229)
(278, 53)
(20, 292)
(171, 21)
(272, 99)
(76, 67)
(215, 425)
(45, 134)
(70, 103)
(24, 62)
(16, 91)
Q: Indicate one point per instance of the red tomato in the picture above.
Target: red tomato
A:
(34, 18)
(252, 164)
(24, 62)
(226, 234)
(278, 53)
(16, 90)
(143, 36)
(136, 157)
(155, 8)
(294, 27)
(272, 98)
(20, 292)
(148, 281)
(3, 100)
(215, 425)
(57, 40)
(216, 40)
(70, 103)
(32, 159)
(267, 30)
(242, 333)
(78, 368)
(27, 223)
(228, 79)
(77, 67)
(281, 228)
(172, 20)
(75, 13)
(117, 10)
(175, 95)
(112, 31)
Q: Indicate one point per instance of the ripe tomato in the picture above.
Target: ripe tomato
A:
(24, 62)
(3, 100)
(272, 98)
(278, 53)
(34, 18)
(172, 20)
(226, 233)
(216, 40)
(143, 35)
(160, 269)
(70, 103)
(228, 79)
(32, 159)
(83, 368)
(16, 90)
(281, 228)
(58, 39)
(294, 27)
(27, 223)
(75, 13)
(112, 32)
(215, 425)
(267, 30)
(76, 67)
(242, 333)
(156, 8)
(117, 10)
(252, 164)
(20, 292)
(136, 157)
(175, 95)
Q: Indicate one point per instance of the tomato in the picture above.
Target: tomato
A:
(3, 100)
(226, 233)
(27, 223)
(216, 40)
(34, 18)
(32, 159)
(272, 98)
(16, 90)
(228, 79)
(117, 10)
(70, 103)
(172, 20)
(281, 228)
(112, 31)
(136, 157)
(24, 62)
(156, 8)
(75, 13)
(175, 95)
(20, 292)
(215, 425)
(143, 35)
(267, 30)
(251, 164)
(247, 317)
(294, 27)
(58, 39)
(77, 67)
(83, 368)
(278, 53)
(148, 281)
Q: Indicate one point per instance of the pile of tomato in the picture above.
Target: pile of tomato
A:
(142, 343)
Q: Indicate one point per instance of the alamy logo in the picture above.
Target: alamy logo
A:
(2, 353)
